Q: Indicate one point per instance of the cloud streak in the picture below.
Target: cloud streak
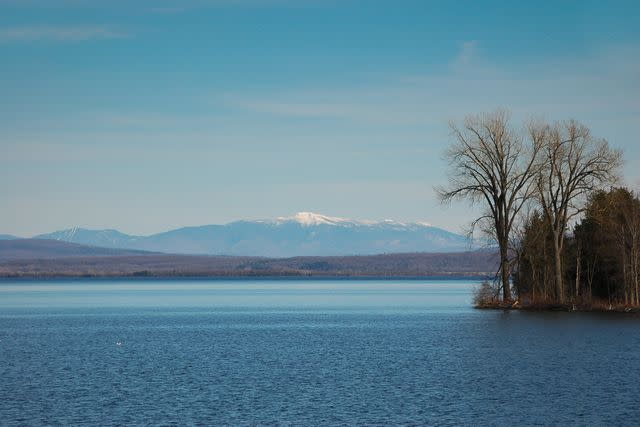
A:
(601, 89)
(586, 88)
(468, 52)
(58, 34)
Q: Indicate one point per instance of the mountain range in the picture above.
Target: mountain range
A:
(304, 234)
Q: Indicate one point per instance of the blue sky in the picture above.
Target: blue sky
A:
(149, 115)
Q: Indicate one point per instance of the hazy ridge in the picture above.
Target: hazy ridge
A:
(305, 234)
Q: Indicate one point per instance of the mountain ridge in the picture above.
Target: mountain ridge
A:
(304, 234)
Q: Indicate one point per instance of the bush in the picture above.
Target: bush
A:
(487, 293)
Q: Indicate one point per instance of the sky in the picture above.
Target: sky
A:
(150, 115)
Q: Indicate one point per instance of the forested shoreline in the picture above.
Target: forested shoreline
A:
(412, 265)
(600, 262)
(568, 232)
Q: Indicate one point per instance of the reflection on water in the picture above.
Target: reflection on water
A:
(305, 353)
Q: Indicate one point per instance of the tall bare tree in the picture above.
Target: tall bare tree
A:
(573, 165)
(490, 164)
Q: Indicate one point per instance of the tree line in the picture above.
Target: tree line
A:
(566, 232)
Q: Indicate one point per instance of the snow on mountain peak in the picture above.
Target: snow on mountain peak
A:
(310, 218)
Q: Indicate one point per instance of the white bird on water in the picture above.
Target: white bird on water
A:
(119, 343)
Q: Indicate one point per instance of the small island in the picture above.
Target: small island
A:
(568, 235)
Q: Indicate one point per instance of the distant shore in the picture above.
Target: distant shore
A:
(42, 264)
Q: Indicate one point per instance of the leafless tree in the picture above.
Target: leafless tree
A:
(573, 165)
(490, 164)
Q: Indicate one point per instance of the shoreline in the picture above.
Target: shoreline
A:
(569, 308)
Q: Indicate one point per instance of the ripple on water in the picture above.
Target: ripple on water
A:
(316, 366)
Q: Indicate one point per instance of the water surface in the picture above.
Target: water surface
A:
(304, 352)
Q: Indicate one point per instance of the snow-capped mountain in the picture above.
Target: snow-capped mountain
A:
(305, 233)
(310, 219)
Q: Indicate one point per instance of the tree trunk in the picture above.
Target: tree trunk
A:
(557, 257)
(504, 272)
(636, 273)
(578, 272)
(534, 284)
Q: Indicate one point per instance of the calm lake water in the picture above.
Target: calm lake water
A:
(305, 352)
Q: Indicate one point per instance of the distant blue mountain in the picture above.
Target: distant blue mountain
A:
(301, 235)
(101, 238)
(7, 237)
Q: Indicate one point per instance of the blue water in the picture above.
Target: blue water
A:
(301, 352)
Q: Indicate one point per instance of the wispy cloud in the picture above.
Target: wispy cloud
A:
(601, 89)
(312, 108)
(59, 34)
(468, 51)
(587, 87)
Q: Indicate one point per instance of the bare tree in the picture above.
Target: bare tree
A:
(490, 164)
(573, 165)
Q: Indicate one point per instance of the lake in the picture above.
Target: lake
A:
(305, 352)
